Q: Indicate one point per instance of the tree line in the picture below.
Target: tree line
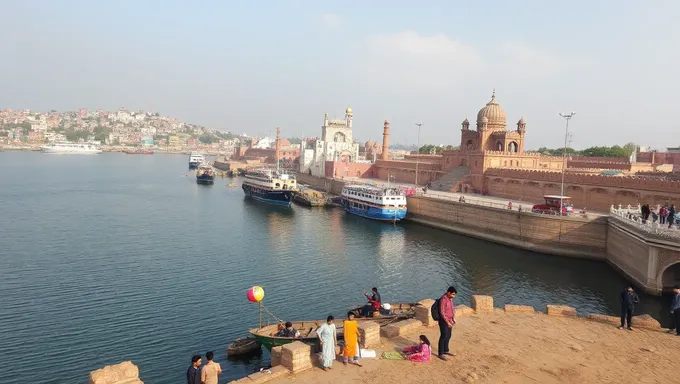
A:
(603, 151)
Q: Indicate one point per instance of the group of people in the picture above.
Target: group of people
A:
(629, 299)
(206, 374)
(665, 216)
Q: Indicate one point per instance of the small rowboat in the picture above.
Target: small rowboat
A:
(243, 346)
(267, 334)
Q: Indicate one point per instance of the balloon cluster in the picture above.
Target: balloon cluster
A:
(255, 294)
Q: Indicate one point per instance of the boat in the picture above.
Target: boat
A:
(372, 202)
(205, 174)
(310, 198)
(267, 334)
(271, 186)
(243, 346)
(71, 148)
(138, 152)
(195, 159)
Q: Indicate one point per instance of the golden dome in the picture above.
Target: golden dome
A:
(495, 114)
(348, 111)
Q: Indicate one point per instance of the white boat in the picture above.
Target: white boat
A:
(270, 185)
(195, 160)
(377, 203)
(71, 148)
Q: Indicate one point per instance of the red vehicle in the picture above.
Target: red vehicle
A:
(552, 205)
(408, 191)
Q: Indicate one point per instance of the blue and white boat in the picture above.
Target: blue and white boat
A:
(271, 186)
(377, 203)
(195, 159)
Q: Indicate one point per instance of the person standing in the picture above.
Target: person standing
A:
(628, 301)
(675, 309)
(210, 370)
(351, 333)
(328, 338)
(447, 318)
(194, 371)
(671, 216)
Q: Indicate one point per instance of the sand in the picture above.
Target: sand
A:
(522, 348)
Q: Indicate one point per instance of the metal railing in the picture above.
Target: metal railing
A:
(632, 217)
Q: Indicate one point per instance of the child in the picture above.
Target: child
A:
(419, 353)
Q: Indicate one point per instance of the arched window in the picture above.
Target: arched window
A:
(512, 147)
(470, 145)
(499, 146)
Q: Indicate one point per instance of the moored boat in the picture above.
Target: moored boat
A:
(388, 313)
(195, 159)
(71, 148)
(377, 203)
(244, 346)
(310, 198)
(205, 174)
(270, 186)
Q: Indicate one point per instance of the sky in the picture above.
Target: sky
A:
(250, 66)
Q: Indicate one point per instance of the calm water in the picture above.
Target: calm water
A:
(115, 257)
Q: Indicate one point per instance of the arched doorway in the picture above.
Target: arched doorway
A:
(470, 145)
(671, 276)
(512, 147)
(499, 146)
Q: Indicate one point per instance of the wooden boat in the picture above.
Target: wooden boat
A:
(243, 346)
(310, 198)
(267, 334)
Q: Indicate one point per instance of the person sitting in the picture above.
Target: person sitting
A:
(374, 302)
(419, 353)
(288, 331)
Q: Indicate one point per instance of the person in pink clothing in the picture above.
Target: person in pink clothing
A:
(419, 353)
(447, 318)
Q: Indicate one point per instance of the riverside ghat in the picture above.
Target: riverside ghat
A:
(513, 344)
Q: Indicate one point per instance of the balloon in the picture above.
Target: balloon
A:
(255, 294)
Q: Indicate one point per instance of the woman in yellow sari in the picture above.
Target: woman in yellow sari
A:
(351, 335)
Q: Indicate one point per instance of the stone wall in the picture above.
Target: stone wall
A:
(567, 236)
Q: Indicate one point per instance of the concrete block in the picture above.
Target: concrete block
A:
(519, 308)
(296, 356)
(122, 373)
(370, 333)
(245, 380)
(400, 328)
(645, 321)
(276, 355)
(604, 319)
(482, 303)
(424, 314)
(464, 310)
(560, 310)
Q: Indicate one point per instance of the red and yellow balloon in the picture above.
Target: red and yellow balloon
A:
(255, 294)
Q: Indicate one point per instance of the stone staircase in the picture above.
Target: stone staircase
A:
(451, 180)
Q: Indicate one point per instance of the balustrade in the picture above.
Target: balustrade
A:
(632, 216)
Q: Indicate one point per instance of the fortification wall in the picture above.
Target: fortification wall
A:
(568, 236)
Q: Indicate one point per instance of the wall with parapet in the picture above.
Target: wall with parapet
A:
(341, 169)
(567, 236)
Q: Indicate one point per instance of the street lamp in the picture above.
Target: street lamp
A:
(418, 153)
(567, 117)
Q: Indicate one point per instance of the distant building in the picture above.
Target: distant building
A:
(336, 145)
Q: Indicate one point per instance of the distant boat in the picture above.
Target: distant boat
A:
(269, 185)
(71, 148)
(138, 152)
(195, 159)
(205, 174)
(385, 204)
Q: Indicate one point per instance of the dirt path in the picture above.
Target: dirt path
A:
(522, 348)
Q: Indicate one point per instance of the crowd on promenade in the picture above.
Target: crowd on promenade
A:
(666, 214)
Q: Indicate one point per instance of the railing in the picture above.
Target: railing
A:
(632, 216)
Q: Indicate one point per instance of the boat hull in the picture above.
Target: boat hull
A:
(204, 179)
(138, 152)
(194, 164)
(374, 213)
(280, 198)
(69, 152)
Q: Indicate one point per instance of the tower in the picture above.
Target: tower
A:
(386, 133)
(278, 144)
(348, 117)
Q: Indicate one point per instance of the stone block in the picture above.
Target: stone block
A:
(482, 303)
(296, 356)
(423, 313)
(400, 328)
(604, 318)
(123, 373)
(268, 375)
(519, 308)
(245, 380)
(645, 321)
(560, 310)
(464, 310)
(370, 333)
(276, 355)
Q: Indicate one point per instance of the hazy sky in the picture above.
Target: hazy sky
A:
(248, 66)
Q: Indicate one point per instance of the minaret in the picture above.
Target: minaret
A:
(278, 146)
(386, 134)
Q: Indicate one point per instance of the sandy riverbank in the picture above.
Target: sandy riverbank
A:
(512, 348)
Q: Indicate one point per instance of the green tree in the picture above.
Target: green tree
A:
(101, 133)
(72, 135)
(630, 148)
(295, 140)
(206, 138)
(430, 148)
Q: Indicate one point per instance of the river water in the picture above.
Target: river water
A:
(115, 257)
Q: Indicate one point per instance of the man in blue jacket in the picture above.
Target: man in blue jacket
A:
(675, 309)
(628, 300)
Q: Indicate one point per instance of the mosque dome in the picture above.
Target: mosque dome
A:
(495, 114)
(369, 143)
(348, 111)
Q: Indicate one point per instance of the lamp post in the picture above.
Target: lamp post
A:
(567, 117)
(418, 154)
